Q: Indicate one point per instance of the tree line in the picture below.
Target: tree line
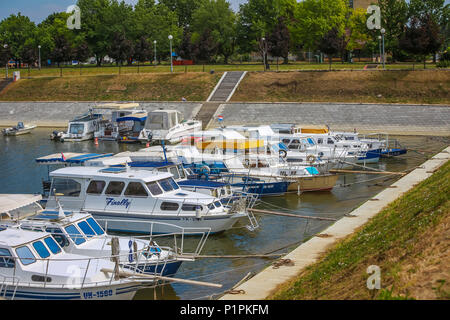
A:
(209, 31)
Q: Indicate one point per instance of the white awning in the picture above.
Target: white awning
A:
(9, 202)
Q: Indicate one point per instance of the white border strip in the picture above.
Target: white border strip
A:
(236, 86)
(217, 87)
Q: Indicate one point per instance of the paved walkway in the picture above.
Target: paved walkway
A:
(265, 283)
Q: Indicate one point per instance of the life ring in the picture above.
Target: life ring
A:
(310, 158)
(283, 154)
(204, 171)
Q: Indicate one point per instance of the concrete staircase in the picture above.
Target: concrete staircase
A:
(206, 113)
(226, 86)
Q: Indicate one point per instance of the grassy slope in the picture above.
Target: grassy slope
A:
(152, 87)
(408, 240)
(394, 87)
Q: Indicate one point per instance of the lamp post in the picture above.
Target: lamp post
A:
(379, 42)
(7, 62)
(154, 42)
(264, 52)
(383, 31)
(39, 46)
(171, 63)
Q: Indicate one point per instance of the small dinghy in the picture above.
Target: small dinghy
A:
(19, 129)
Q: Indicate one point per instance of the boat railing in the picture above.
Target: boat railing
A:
(78, 269)
(8, 282)
(179, 234)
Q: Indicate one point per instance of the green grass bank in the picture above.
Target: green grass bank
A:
(409, 240)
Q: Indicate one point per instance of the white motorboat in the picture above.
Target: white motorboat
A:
(168, 126)
(109, 129)
(136, 196)
(81, 128)
(19, 129)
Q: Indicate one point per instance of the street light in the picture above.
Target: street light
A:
(7, 62)
(383, 31)
(171, 63)
(154, 42)
(264, 52)
(39, 46)
(379, 42)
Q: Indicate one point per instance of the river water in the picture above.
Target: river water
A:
(20, 174)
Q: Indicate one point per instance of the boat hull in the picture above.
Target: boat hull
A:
(142, 223)
(124, 291)
(314, 183)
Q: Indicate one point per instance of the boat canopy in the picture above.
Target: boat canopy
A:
(10, 202)
(72, 158)
(138, 117)
(116, 106)
(163, 119)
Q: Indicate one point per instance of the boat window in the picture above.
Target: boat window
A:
(330, 141)
(87, 230)
(211, 206)
(310, 141)
(169, 206)
(94, 225)
(75, 235)
(181, 171)
(214, 193)
(174, 171)
(191, 207)
(218, 204)
(96, 187)
(115, 188)
(59, 236)
(349, 138)
(76, 128)
(136, 189)
(6, 260)
(156, 121)
(173, 184)
(320, 141)
(66, 187)
(25, 255)
(52, 245)
(166, 185)
(163, 170)
(41, 249)
(154, 188)
(173, 118)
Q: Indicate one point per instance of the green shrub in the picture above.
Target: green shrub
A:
(443, 64)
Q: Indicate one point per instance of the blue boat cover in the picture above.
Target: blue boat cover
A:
(151, 164)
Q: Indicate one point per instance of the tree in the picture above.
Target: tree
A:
(5, 54)
(330, 44)
(184, 10)
(215, 19)
(121, 48)
(313, 19)
(62, 50)
(16, 31)
(279, 41)
(257, 19)
(29, 55)
(394, 15)
(142, 50)
(421, 37)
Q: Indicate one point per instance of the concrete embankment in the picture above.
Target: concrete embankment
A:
(265, 283)
(366, 118)
(57, 114)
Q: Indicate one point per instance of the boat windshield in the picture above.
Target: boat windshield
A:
(76, 128)
(154, 188)
(25, 255)
(52, 245)
(157, 122)
(169, 184)
(75, 235)
(94, 225)
(41, 249)
(87, 230)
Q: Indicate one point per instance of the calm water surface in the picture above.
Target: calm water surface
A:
(20, 174)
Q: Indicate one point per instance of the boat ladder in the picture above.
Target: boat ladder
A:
(252, 199)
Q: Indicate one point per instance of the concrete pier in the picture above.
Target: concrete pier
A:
(263, 284)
